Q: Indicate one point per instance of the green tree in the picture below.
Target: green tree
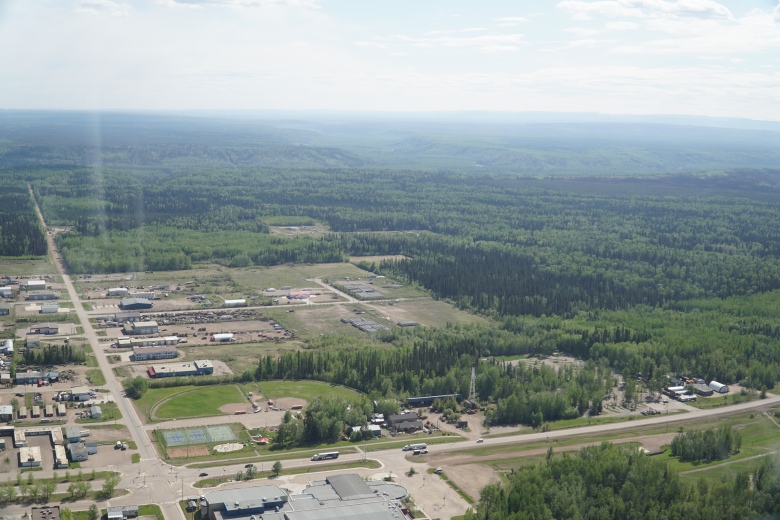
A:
(93, 513)
(109, 486)
(277, 468)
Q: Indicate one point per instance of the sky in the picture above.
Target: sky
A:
(692, 57)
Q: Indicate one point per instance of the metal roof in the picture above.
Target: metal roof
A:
(349, 486)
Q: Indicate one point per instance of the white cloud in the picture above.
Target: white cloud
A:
(510, 21)
(584, 10)
(103, 7)
(240, 3)
(621, 26)
(449, 39)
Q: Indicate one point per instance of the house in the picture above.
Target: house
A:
(95, 412)
(394, 420)
(138, 328)
(42, 295)
(124, 317)
(5, 309)
(719, 387)
(194, 368)
(50, 308)
(79, 393)
(78, 452)
(6, 413)
(73, 433)
(134, 304)
(45, 328)
(161, 352)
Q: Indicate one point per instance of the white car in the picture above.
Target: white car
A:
(480, 440)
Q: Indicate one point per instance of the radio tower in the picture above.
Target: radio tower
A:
(473, 387)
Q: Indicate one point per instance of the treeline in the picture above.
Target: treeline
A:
(54, 355)
(324, 421)
(707, 445)
(20, 230)
(617, 482)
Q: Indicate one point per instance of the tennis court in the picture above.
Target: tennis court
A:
(200, 435)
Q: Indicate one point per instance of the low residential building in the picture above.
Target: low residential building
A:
(194, 368)
(46, 513)
(30, 457)
(79, 393)
(78, 452)
(134, 304)
(395, 420)
(44, 328)
(42, 295)
(161, 352)
(141, 328)
(60, 457)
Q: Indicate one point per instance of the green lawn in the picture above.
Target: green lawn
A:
(96, 377)
(155, 395)
(307, 390)
(201, 402)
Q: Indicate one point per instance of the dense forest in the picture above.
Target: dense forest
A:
(20, 230)
(617, 482)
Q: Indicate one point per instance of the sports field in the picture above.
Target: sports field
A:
(198, 402)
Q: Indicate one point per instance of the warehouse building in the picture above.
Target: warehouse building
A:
(32, 378)
(117, 291)
(222, 337)
(79, 393)
(6, 292)
(36, 284)
(144, 295)
(42, 295)
(702, 390)
(44, 328)
(147, 353)
(124, 317)
(5, 309)
(134, 304)
(141, 328)
(194, 368)
(719, 387)
(50, 308)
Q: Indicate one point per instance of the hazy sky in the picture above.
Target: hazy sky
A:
(699, 57)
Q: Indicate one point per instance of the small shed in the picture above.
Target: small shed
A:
(95, 412)
(73, 433)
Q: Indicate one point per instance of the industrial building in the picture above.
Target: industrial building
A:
(194, 368)
(79, 393)
(148, 342)
(223, 337)
(414, 402)
(147, 353)
(44, 328)
(338, 497)
(702, 390)
(36, 284)
(134, 304)
(141, 328)
(42, 295)
(6, 292)
(117, 291)
(32, 378)
(719, 387)
(124, 317)
(145, 295)
(30, 457)
(5, 309)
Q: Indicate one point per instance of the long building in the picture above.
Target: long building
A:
(141, 328)
(193, 368)
(160, 352)
(148, 342)
(42, 295)
(134, 304)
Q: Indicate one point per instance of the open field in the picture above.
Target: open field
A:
(198, 402)
(311, 321)
(306, 390)
(428, 311)
(33, 266)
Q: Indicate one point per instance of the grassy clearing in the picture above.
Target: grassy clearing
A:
(371, 464)
(92, 361)
(465, 496)
(311, 321)
(202, 401)
(96, 377)
(110, 413)
(155, 395)
(304, 389)
(259, 278)
(24, 267)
